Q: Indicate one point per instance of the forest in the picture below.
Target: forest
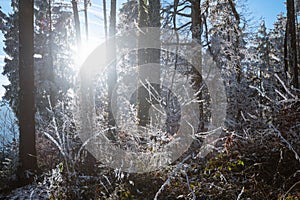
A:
(149, 99)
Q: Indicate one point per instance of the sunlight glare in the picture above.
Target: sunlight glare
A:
(86, 49)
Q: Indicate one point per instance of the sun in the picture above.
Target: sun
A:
(85, 50)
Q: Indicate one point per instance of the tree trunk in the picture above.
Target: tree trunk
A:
(142, 104)
(112, 50)
(112, 21)
(145, 56)
(105, 18)
(77, 22)
(197, 29)
(237, 40)
(86, 2)
(26, 117)
(154, 21)
(291, 63)
(51, 62)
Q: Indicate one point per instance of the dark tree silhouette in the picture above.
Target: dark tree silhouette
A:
(291, 44)
(77, 22)
(27, 150)
(105, 18)
(148, 16)
(86, 3)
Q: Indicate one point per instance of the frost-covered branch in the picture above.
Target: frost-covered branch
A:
(167, 182)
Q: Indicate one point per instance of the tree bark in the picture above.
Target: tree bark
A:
(51, 62)
(291, 53)
(86, 2)
(77, 22)
(197, 29)
(142, 104)
(27, 149)
(105, 18)
(112, 51)
(145, 56)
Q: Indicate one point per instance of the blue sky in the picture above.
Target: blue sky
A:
(266, 9)
(5, 5)
(258, 9)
